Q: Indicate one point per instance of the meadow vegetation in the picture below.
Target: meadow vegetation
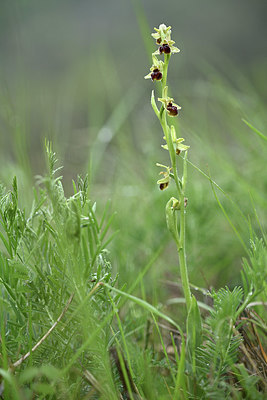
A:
(92, 301)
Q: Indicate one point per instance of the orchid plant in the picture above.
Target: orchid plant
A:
(176, 206)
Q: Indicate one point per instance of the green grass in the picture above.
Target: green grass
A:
(93, 298)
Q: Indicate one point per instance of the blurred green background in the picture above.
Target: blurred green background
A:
(72, 71)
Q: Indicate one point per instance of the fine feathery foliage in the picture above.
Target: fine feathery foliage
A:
(55, 255)
(219, 351)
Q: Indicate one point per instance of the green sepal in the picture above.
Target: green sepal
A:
(165, 146)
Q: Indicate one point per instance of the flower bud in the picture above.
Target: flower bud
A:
(171, 219)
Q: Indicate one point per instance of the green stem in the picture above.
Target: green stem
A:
(165, 70)
(180, 190)
(181, 244)
(182, 253)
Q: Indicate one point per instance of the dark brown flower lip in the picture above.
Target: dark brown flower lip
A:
(163, 186)
(172, 110)
(165, 48)
(156, 75)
